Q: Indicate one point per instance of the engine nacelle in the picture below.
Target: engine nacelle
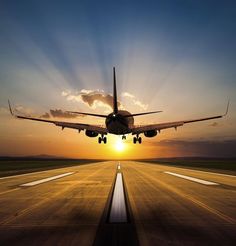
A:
(150, 133)
(91, 134)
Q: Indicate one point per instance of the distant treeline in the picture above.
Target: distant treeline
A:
(20, 165)
(35, 158)
(227, 164)
(198, 158)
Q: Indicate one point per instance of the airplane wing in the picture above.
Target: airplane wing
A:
(175, 124)
(62, 124)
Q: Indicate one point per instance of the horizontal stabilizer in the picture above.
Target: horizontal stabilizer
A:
(131, 115)
(89, 114)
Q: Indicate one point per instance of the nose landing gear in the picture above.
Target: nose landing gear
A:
(137, 139)
(102, 139)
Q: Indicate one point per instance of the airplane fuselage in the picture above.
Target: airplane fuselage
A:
(119, 123)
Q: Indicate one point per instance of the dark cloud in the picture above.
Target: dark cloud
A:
(220, 148)
(58, 113)
(46, 116)
(93, 98)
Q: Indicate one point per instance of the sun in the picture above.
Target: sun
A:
(119, 145)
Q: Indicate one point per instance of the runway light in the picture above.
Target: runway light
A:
(119, 145)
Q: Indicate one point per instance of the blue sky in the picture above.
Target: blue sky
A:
(178, 56)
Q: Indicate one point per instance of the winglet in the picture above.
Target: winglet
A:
(227, 109)
(11, 111)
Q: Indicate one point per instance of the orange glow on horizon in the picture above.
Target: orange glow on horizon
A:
(25, 138)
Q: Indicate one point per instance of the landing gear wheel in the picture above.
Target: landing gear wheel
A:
(105, 140)
(134, 140)
(123, 137)
(140, 140)
(99, 140)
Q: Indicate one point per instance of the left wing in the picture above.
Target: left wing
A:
(62, 124)
(175, 124)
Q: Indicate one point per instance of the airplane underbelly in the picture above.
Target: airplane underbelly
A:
(117, 128)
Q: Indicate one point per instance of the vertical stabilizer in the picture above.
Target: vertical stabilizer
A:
(115, 104)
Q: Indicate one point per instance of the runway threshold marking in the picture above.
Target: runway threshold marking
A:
(46, 180)
(200, 181)
(118, 212)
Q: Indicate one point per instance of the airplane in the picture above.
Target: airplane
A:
(119, 122)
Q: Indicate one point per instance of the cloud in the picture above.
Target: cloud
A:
(127, 94)
(92, 98)
(134, 100)
(23, 110)
(53, 113)
(208, 148)
(58, 113)
(45, 116)
(18, 109)
(98, 98)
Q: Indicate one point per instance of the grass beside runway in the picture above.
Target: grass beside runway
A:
(15, 166)
(226, 165)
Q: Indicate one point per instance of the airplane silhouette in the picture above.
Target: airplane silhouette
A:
(119, 122)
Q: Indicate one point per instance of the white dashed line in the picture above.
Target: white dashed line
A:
(46, 180)
(118, 213)
(200, 181)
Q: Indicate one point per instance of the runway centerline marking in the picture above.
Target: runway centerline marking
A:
(200, 181)
(118, 213)
(33, 183)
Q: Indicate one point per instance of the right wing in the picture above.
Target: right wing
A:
(175, 124)
(62, 124)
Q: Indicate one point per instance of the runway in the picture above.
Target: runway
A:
(166, 205)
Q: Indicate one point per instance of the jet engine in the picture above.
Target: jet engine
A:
(91, 134)
(150, 133)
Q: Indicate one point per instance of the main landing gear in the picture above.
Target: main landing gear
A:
(137, 139)
(102, 139)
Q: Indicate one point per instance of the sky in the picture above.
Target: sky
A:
(178, 56)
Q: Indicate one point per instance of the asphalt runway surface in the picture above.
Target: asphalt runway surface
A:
(165, 206)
